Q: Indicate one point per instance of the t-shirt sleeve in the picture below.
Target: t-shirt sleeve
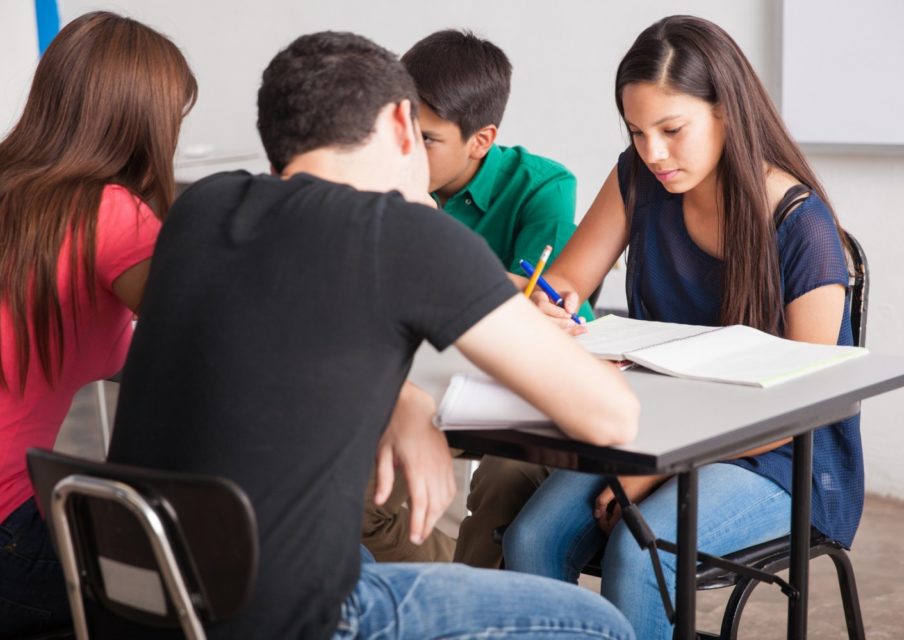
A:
(126, 232)
(437, 278)
(812, 255)
(547, 218)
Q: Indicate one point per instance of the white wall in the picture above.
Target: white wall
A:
(561, 106)
(18, 57)
(868, 193)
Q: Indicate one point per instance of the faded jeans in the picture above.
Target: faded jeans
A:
(555, 534)
(452, 601)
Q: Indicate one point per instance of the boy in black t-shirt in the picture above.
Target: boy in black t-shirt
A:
(280, 318)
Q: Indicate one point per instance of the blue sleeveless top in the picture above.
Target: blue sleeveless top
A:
(671, 279)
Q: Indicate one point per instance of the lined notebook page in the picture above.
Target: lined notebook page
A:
(742, 355)
(612, 337)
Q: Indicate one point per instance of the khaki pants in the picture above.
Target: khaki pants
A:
(385, 529)
(499, 488)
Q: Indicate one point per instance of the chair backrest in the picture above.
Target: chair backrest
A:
(858, 289)
(146, 549)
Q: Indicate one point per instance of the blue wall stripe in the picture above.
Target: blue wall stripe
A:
(48, 16)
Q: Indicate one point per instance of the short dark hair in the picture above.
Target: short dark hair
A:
(462, 78)
(326, 89)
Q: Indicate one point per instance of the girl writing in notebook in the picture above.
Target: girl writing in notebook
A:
(85, 176)
(694, 198)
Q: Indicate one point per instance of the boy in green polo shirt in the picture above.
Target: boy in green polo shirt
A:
(519, 203)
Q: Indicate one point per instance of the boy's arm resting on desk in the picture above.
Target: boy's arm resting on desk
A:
(412, 443)
(587, 398)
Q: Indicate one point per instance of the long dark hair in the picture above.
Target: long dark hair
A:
(695, 57)
(105, 106)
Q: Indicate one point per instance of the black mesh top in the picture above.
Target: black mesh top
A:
(671, 279)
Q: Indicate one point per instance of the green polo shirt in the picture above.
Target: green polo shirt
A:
(519, 203)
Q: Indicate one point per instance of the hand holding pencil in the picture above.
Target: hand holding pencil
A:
(537, 279)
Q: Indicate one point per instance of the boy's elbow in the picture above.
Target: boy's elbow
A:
(629, 421)
(620, 423)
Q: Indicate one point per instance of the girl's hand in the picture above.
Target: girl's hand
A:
(607, 511)
(560, 316)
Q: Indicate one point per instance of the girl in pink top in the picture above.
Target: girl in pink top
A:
(85, 177)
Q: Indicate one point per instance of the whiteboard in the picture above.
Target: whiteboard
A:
(842, 72)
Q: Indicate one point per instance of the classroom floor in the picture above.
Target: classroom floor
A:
(878, 556)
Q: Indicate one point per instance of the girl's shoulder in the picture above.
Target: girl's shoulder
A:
(119, 205)
(778, 184)
(123, 217)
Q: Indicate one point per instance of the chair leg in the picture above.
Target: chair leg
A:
(101, 394)
(847, 584)
(731, 619)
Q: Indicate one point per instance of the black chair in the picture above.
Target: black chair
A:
(146, 553)
(55, 634)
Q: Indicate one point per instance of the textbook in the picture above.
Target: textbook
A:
(735, 354)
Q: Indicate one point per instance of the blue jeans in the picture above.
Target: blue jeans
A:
(420, 601)
(32, 589)
(555, 534)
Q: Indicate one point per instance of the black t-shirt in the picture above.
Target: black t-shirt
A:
(278, 324)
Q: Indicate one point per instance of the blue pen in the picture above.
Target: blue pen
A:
(551, 293)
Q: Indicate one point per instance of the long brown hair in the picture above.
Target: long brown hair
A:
(105, 106)
(693, 56)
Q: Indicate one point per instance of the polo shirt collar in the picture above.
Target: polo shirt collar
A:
(480, 188)
(483, 182)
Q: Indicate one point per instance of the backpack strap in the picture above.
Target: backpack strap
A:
(793, 197)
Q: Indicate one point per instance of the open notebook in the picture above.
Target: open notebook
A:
(735, 354)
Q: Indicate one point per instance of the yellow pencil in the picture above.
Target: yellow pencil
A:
(541, 263)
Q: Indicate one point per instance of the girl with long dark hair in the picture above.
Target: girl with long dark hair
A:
(86, 176)
(693, 199)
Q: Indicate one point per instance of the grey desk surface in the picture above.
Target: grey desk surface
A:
(686, 423)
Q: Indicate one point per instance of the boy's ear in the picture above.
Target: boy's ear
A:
(407, 131)
(481, 140)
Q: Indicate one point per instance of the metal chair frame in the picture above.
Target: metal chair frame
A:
(126, 496)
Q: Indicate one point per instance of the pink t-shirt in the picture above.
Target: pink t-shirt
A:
(126, 232)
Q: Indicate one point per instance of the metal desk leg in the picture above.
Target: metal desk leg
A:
(686, 576)
(801, 490)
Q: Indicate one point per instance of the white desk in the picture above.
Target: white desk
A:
(685, 424)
